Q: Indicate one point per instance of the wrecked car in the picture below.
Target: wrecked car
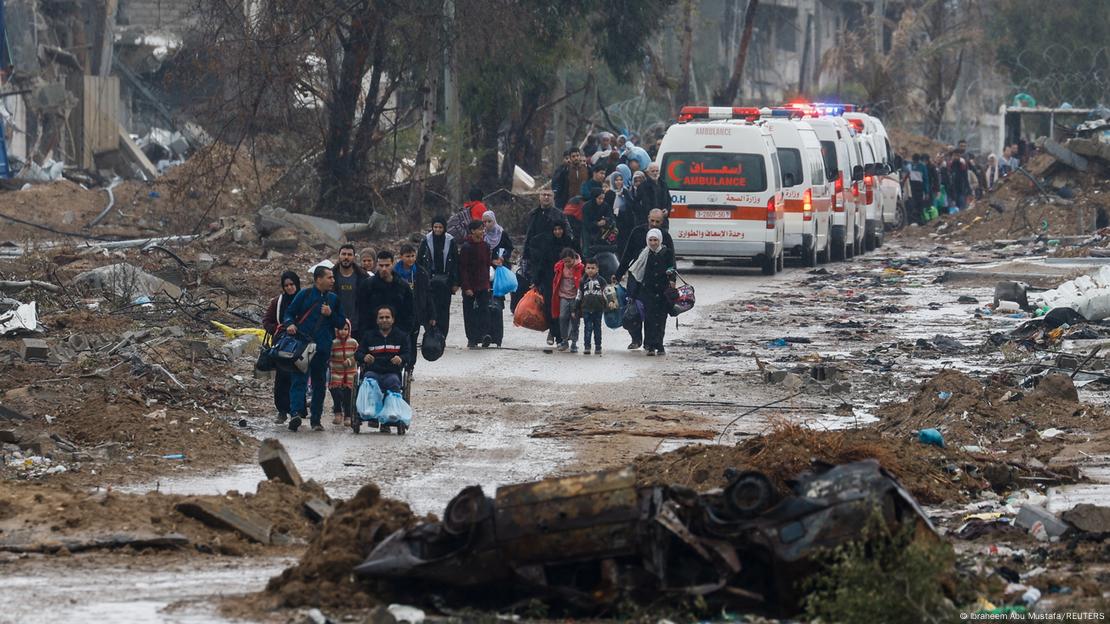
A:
(590, 540)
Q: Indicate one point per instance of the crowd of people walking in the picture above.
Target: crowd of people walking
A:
(602, 222)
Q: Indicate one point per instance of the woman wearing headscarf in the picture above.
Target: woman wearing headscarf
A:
(993, 172)
(439, 257)
(624, 209)
(573, 211)
(549, 252)
(651, 272)
(599, 228)
(290, 286)
(500, 253)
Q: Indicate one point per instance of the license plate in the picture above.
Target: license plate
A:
(712, 214)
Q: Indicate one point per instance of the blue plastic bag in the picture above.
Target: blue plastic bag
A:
(614, 318)
(395, 410)
(504, 282)
(369, 401)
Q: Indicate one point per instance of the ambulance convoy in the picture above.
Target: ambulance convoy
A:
(811, 181)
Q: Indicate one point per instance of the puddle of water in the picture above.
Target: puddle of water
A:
(138, 592)
(830, 422)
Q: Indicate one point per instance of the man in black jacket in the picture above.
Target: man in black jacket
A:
(662, 193)
(348, 277)
(384, 351)
(419, 283)
(540, 221)
(385, 289)
(637, 240)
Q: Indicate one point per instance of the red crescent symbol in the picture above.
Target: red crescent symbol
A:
(671, 170)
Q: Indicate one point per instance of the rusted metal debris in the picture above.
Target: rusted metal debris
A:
(587, 541)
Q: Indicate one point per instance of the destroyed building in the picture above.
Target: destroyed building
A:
(82, 83)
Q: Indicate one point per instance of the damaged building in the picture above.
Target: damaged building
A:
(82, 87)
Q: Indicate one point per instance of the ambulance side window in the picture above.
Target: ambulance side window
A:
(778, 172)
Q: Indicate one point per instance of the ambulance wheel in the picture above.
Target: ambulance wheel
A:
(878, 239)
(838, 250)
(869, 242)
(825, 256)
(809, 255)
(768, 265)
(780, 262)
(356, 425)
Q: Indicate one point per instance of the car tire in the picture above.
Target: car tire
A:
(825, 256)
(878, 239)
(869, 242)
(838, 250)
(780, 263)
(809, 255)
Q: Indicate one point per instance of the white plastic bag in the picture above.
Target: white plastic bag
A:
(395, 410)
(369, 401)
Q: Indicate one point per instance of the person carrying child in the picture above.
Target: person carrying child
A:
(341, 381)
(564, 298)
(591, 306)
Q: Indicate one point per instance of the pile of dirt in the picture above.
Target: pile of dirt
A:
(649, 422)
(907, 144)
(323, 577)
(46, 517)
(994, 416)
(791, 449)
(1017, 209)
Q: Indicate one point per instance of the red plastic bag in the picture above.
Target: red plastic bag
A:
(529, 312)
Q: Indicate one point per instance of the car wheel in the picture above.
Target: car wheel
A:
(838, 250)
(809, 255)
(768, 265)
(868, 242)
(825, 256)
(780, 263)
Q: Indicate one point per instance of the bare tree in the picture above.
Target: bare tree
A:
(726, 96)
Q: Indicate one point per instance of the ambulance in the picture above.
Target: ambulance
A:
(807, 189)
(839, 154)
(880, 175)
(721, 167)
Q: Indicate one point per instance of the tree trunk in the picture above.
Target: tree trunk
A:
(727, 96)
(421, 169)
(687, 56)
(488, 145)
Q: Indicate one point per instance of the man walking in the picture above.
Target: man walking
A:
(385, 289)
(568, 179)
(348, 277)
(474, 263)
(418, 282)
(439, 256)
(316, 314)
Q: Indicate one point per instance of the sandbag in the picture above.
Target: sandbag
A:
(504, 282)
(433, 344)
(529, 312)
(395, 410)
(369, 401)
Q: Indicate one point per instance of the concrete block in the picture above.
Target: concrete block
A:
(276, 464)
(10, 436)
(1031, 515)
(238, 346)
(1089, 518)
(318, 510)
(34, 349)
(205, 262)
(196, 348)
(220, 515)
(41, 445)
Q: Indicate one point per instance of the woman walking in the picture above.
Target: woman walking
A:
(290, 286)
(501, 254)
(652, 270)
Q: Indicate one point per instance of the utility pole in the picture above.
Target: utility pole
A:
(451, 108)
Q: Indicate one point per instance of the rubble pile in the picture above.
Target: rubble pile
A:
(53, 518)
(992, 416)
(324, 575)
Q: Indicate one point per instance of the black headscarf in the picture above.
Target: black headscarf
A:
(284, 299)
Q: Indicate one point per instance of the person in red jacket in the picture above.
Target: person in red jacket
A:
(564, 298)
(474, 264)
(475, 204)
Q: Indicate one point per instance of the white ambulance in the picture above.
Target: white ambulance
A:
(722, 170)
(837, 149)
(885, 179)
(807, 191)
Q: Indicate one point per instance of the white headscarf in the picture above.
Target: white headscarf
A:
(640, 265)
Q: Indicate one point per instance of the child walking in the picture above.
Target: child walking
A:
(591, 305)
(564, 299)
(341, 381)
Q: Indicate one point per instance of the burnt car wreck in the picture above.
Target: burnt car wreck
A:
(587, 541)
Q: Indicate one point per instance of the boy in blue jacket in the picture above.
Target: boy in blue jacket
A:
(314, 312)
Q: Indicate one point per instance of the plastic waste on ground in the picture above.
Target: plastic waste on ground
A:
(931, 437)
